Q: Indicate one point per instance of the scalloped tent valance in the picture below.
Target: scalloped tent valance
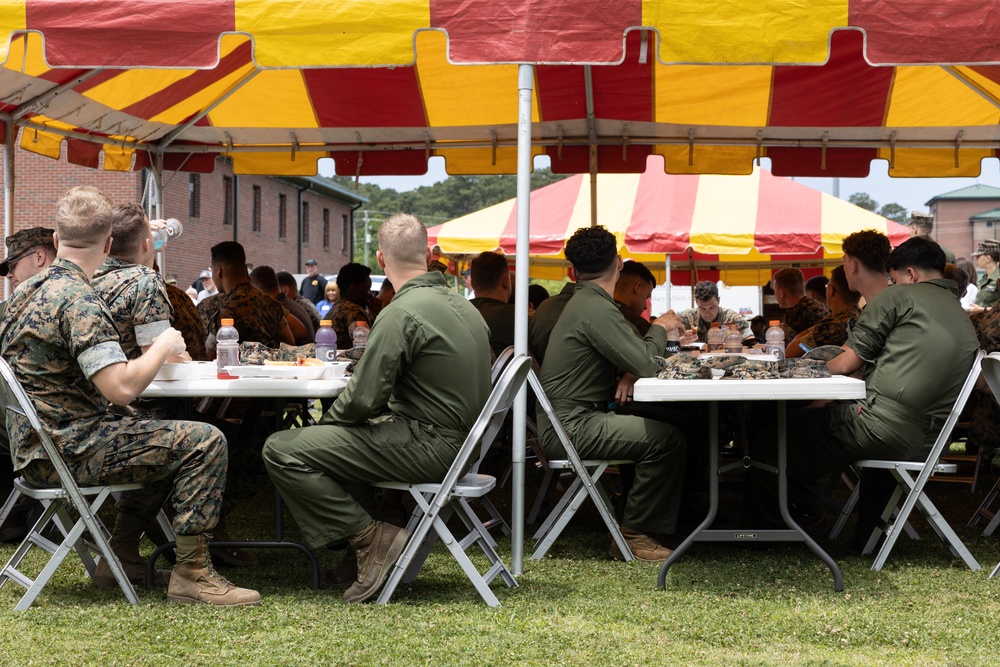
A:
(820, 88)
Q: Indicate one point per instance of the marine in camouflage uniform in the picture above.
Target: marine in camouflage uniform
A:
(831, 330)
(342, 316)
(208, 309)
(806, 313)
(57, 333)
(983, 429)
(256, 316)
(184, 317)
(692, 319)
(137, 298)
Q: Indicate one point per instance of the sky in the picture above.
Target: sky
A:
(910, 193)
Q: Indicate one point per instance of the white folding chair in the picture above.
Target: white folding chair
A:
(913, 487)
(551, 477)
(59, 504)
(437, 502)
(851, 478)
(585, 485)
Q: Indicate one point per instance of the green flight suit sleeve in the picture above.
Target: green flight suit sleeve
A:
(867, 337)
(618, 343)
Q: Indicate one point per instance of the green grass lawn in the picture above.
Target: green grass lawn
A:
(722, 606)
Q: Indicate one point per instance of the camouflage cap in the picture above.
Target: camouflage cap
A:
(987, 246)
(20, 243)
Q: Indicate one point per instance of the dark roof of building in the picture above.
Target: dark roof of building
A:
(977, 191)
(325, 187)
(992, 214)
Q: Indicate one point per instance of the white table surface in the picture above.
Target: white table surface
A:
(246, 387)
(783, 389)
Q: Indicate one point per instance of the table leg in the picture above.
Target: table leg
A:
(838, 581)
(713, 494)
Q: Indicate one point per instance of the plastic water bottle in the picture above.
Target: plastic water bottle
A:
(326, 342)
(673, 343)
(227, 349)
(173, 229)
(775, 336)
(360, 335)
(714, 338)
(733, 341)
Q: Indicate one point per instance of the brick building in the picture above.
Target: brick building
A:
(266, 214)
(966, 216)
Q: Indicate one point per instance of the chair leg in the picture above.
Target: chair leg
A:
(945, 532)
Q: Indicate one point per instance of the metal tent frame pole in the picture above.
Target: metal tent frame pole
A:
(525, 90)
(9, 131)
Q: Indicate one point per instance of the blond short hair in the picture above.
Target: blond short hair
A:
(402, 239)
(83, 217)
(790, 279)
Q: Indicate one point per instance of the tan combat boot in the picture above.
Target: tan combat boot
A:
(125, 543)
(194, 579)
(378, 547)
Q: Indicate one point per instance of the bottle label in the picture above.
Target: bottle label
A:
(327, 354)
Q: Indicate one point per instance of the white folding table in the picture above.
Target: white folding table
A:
(778, 390)
(260, 388)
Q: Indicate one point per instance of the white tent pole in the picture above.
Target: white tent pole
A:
(525, 88)
(588, 82)
(669, 302)
(157, 160)
(9, 130)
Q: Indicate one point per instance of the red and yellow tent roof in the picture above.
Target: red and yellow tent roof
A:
(739, 225)
(820, 87)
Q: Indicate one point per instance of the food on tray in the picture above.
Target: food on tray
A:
(301, 361)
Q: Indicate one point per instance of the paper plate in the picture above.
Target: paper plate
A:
(192, 370)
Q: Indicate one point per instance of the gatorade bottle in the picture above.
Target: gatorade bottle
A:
(173, 229)
(227, 349)
(360, 335)
(326, 342)
(714, 338)
(733, 340)
(775, 336)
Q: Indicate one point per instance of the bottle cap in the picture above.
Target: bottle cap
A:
(774, 323)
(361, 323)
(714, 325)
(227, 321)
(326, 323)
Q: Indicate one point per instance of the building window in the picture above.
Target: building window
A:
(345, 234)
(282, 217)
(194, 196)
(326, 229)
(256, 208)
(228, 204)
(305, 222)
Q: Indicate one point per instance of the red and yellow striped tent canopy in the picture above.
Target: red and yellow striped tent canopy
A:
(820, 87)
(737, 228)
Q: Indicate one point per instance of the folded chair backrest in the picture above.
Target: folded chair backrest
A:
(490, 420)
(17, 401)
(991, 371)
(916, 492)
(501, 363)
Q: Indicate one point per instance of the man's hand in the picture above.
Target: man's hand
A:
(171, 341)
(625, 389)
(669, 321)
(975, 310)
(157, 224)
(688, 336)
(181, 358)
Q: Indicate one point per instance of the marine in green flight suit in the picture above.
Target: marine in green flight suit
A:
(917, 346)
(396, 420)
(590, 344)
(544, 320)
